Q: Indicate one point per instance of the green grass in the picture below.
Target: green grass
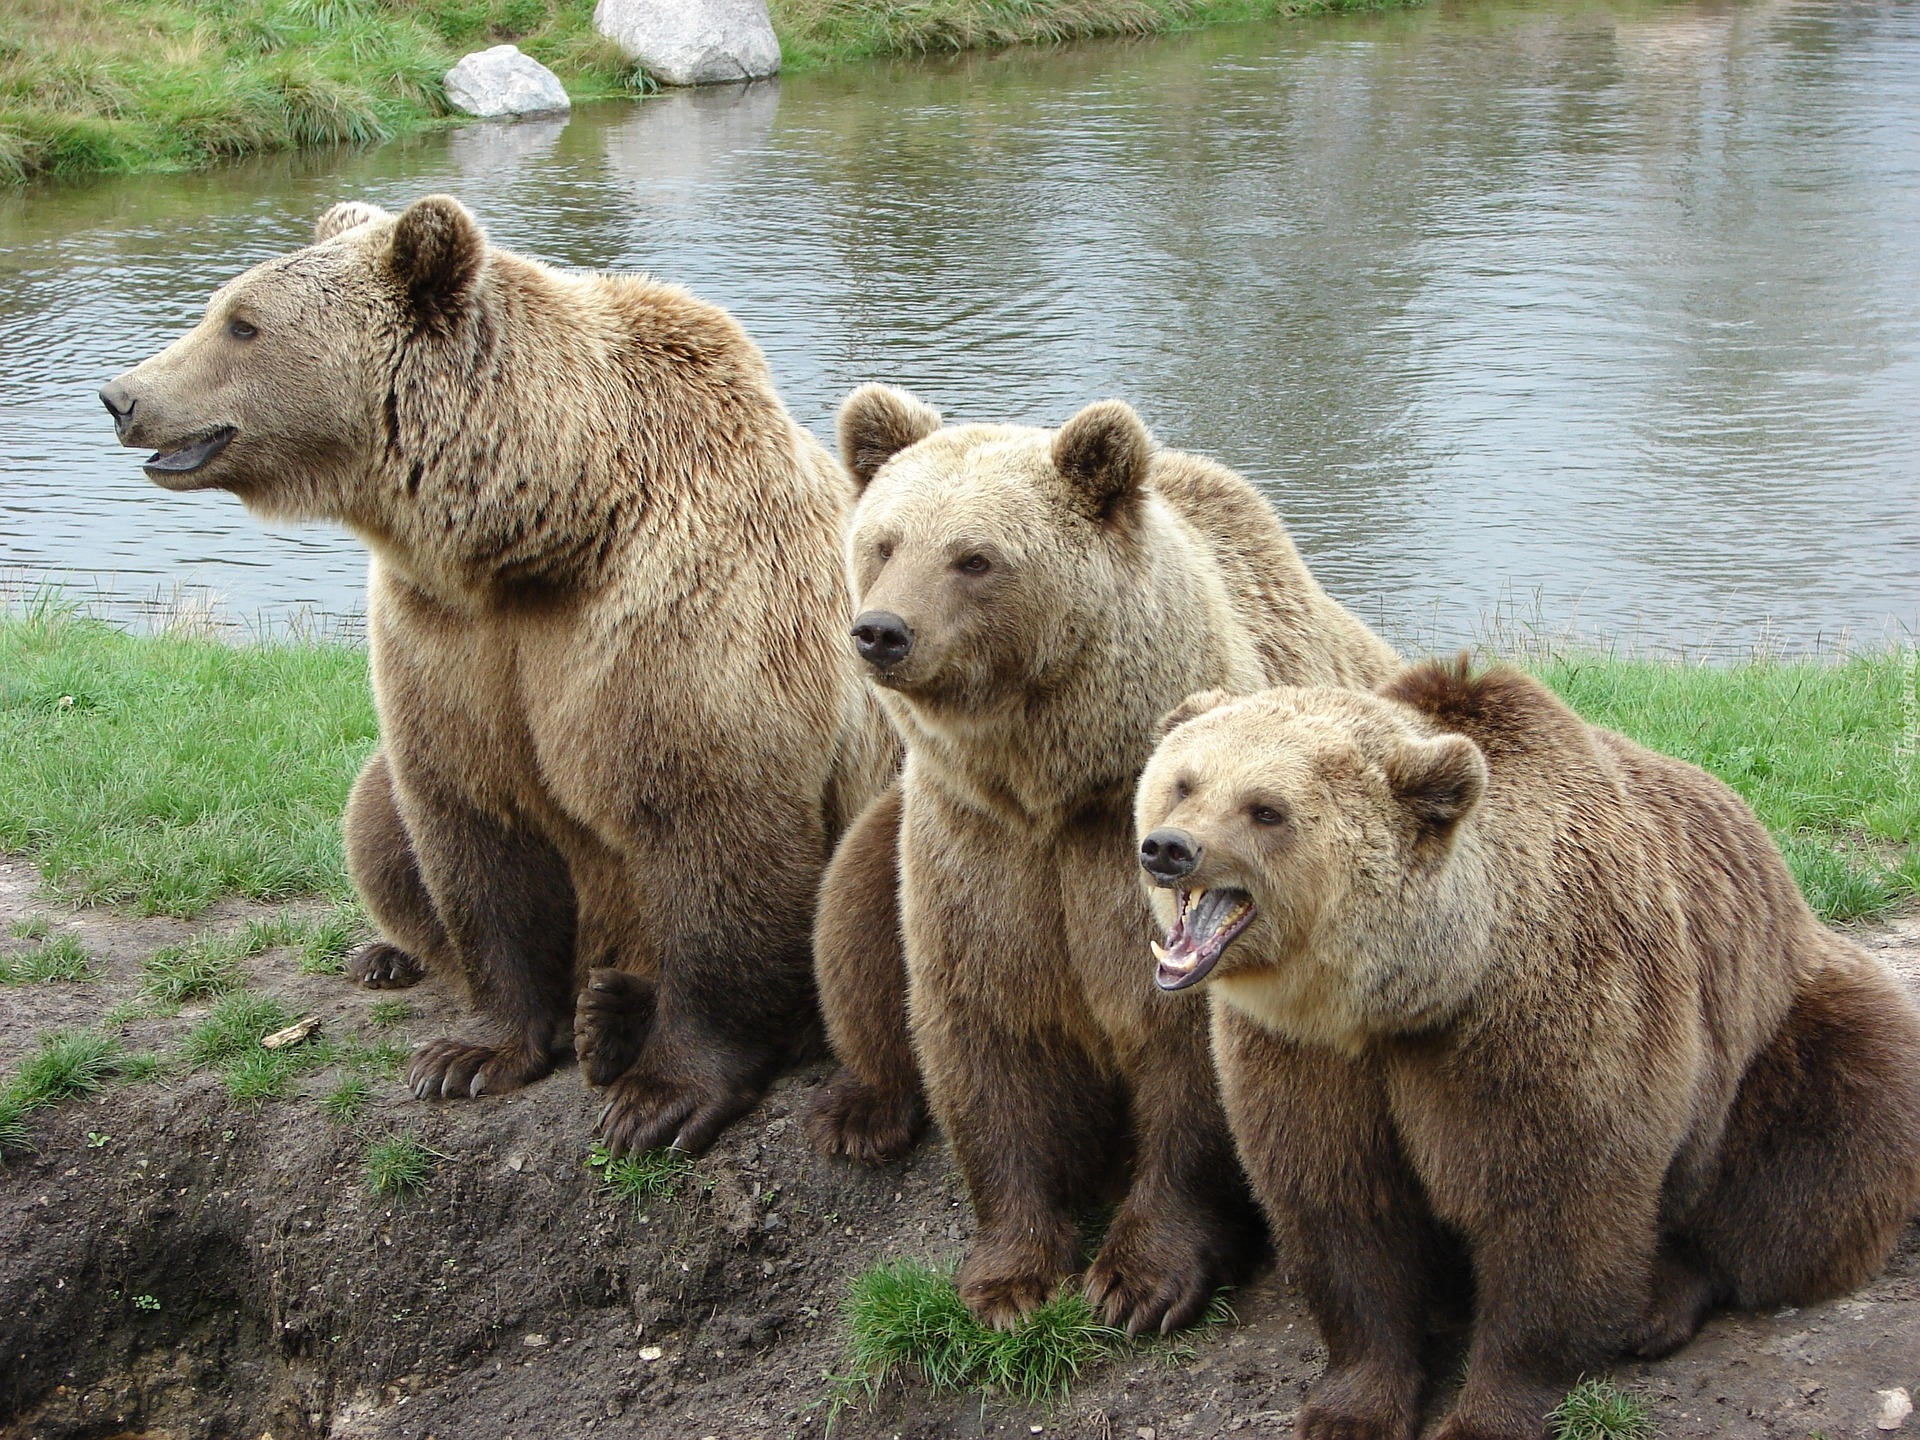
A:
(347, 1101)
(61, 957)
(398, 1165)
(656, 1175)
(228, 1043)
(167, 772)
(821, 32)
(64, 1065)
(1599, 1410)
(906, 1316)
(186, 770)
(99, 86)
(385, 1014)
(31, 927)
(1823, 751)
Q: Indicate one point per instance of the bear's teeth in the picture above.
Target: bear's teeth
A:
(1158, 953)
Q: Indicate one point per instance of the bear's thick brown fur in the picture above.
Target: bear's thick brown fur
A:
(607, 614)
(1509, 988)
(1032, 603)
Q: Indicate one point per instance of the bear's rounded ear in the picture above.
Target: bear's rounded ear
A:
(1192, 708)
(876, 423)
(1439, 781)
(343, 217)
(1103, 453)
(438, 249)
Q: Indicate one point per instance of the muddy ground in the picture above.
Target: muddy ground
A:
(175, 1264)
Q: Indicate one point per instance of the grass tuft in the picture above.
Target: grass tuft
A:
(31, 927)
(1599, 1410)
(655, 1175)
(385, 1014)
(398, 1165)
(347, 1101)
(64, 1065)
(228, 1042)
(908, 1316)
(61, 957)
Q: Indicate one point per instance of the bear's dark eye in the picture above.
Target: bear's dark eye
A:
(241, 330)
(974, 565)
(1267, 815)
(884, 549)
(1182, 788)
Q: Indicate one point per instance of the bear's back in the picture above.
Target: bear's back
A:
(1637, 864)
(1302, 634)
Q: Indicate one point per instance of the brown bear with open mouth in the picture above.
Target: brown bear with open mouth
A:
(1490, 983)
(1031, 602)
(620, 726)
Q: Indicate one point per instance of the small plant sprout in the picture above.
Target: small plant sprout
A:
(653, 1176)
(146, 1302)
(1600, 1410)
(96, 1139)
(399, 1165)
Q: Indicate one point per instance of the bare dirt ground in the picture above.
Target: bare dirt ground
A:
(175, 1265)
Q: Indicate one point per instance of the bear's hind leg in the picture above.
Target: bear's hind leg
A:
(871, 1109)
(506, 899)
(380, 859)
(1820, 1165)
(1680, 1297)
(733, 999)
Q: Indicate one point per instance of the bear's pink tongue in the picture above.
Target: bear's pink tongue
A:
(1206, 923)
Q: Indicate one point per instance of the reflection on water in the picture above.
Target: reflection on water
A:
(1616, 307)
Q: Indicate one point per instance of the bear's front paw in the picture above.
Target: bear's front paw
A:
(1155, 1275)
(647, 1108)
(1317, 1422)
(611, 1018)
(456, 1069)
(864, 1123)
(1366, 1401)
(382, 965)
(1000, 1302)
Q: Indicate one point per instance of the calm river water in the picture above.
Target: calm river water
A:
(1605, 316)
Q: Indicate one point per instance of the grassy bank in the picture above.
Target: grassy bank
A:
(165, 772)
(105, 86)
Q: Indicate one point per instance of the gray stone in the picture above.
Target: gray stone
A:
(693, 42)
(501, 81)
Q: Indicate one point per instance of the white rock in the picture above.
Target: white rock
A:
(1895, 1407)
(693, 42)
(502, 81)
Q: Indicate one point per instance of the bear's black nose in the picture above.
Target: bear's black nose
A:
(882, 638)
(119, 403)
(1169, 855)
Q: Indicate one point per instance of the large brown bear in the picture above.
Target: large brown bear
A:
(1031, 602)
(608, 619)
(1490, 983)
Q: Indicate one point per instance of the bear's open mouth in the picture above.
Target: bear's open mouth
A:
(1208, 921)
(189, 455)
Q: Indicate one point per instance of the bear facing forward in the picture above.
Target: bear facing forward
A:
(1485, 975)
(1032, 601)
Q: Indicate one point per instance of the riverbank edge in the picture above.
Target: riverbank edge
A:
(78, 108)
(164, 773)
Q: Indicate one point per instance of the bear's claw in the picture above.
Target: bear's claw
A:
(864, 1123)
(1146, 1279)
(382, 965)
(646, 1110)
(462, 1069)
